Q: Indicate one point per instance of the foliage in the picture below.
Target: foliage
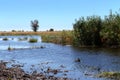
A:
(87, 31)
(95, 31)
(13, 30)
(51, 29)
(111, 29)
(34, 25)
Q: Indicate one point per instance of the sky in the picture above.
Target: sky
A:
(56, 14)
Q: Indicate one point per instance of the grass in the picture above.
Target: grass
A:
(112, 75)
(28, 33)
(62, 37)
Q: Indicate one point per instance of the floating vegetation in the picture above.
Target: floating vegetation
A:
(23, 39)
(33, 40)
(5, 39)
(34, 47)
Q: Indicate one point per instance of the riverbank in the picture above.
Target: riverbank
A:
(58, 37)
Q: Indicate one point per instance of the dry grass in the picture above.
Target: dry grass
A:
(30, 33)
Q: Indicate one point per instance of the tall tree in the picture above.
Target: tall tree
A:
(34, 25)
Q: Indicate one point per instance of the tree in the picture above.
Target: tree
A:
(34, 25)
(51, 29)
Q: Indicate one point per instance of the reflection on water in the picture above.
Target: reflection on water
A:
(92, 60)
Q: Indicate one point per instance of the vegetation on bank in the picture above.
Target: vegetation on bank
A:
(95, 31)
(61, 37)
(92, 31)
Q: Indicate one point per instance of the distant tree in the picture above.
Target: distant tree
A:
(13, 30)
(34, 25)
(51, 29)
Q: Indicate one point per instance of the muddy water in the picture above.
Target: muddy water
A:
(92, 60)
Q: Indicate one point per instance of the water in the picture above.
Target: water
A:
(60, 57)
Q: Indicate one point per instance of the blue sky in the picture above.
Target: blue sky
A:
(57, 14)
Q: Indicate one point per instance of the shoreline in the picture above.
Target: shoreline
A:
(15, 73)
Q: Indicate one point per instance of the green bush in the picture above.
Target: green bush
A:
(87, 31)
(95, 31)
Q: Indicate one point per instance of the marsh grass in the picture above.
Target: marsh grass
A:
(62, 37)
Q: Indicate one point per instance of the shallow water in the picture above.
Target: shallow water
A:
(60, 57)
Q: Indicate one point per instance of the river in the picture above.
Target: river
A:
(92, 60)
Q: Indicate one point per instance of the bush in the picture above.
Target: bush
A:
(95, 31)
(87, 31)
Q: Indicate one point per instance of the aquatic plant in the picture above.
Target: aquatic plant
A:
(23, 39)
(5, 39)
(58, 37)
(33, 40)
(112, 75)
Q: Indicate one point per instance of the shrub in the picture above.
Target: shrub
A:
(95, 31)
(87, 31)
